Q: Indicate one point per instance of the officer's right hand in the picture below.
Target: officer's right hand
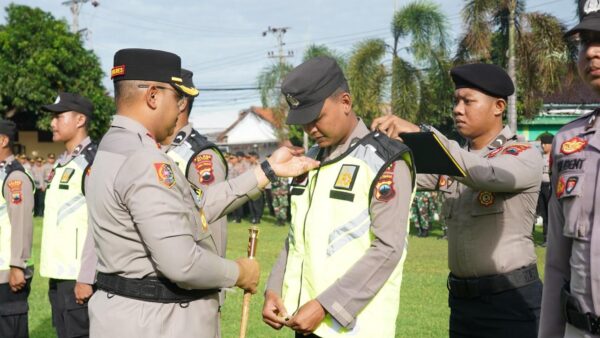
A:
(16, 279)
(249, 274)
(274, 312)
(393, 126)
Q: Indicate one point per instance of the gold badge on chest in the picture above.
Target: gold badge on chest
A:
(346, 177)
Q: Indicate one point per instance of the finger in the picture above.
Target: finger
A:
(376, 122)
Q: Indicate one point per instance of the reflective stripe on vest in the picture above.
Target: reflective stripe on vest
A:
(5, 227)
(330, 231)
(65, 221)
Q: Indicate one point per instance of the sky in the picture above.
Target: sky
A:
(222, 41)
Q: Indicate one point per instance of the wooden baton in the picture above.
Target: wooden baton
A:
(252, 242)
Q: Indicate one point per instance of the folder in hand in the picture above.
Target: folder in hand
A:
(430, 154)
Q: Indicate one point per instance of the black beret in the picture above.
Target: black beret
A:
(546, 138)
(589, 12)
(8, 128)
(307, 86)
(71, 102)
(149, 65)
(489, 79)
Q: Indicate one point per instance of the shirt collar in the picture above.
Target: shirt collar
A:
(359, 131)
(66, 157)
(500, 140)
(182, 134)
(130, 124)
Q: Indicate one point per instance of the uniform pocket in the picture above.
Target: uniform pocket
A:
(569, 191)
(487, 203)
(77, 321)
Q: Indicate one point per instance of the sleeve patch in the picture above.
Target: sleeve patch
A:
(384, 188)
(16, 191)
(204, 166)
(165, 174)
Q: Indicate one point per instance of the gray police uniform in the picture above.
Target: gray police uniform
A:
(493, 284)
(150, 229)
(572, 278)
(17, 190)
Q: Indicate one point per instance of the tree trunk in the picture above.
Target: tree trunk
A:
(512, 72)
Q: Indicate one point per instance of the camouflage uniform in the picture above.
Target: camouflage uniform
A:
(422, 212)
(280, 199)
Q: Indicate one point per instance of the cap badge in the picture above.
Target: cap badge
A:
(591, 6)
(292, 101)
(117, 71)
(57, 99)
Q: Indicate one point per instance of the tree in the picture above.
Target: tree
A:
(541, 54)
(39, 56)
(420, 87)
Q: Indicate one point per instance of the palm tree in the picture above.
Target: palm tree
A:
(424, 28)
(537, 57)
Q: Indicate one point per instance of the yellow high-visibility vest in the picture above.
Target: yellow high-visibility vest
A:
(331, 230)
(65, 218)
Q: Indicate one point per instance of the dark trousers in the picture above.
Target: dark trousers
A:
(512, 313)
(542, 207)
(68, 318)
(312, 335)
(269, 201)
(38, 206)
(13, 311)
(256, 208)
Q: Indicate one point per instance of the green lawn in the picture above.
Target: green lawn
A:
(423, 306)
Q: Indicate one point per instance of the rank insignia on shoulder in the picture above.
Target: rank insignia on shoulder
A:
(15, 187)
(515, 149)
(486, 198)
(346, 177)
(384, 189)
(204, 166)
(574, 145)
(560, 187)
(165, 174)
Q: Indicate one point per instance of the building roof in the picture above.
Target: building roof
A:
(253, 125)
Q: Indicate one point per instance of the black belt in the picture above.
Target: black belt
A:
(475, 287)
(150, 289)
(574, 315)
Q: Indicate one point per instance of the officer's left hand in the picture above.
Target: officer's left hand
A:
(392, 126)
(16, 279)
(307, 318)
(83, 292)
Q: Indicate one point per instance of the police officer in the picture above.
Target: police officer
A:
(340, 270)
(545, 190)
(494, 286)
(65, 258)
(571, 301)
(16, 235)
(159, 272)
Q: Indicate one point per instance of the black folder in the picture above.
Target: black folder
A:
(430, 154)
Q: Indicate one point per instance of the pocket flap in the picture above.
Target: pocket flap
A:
(14, 308)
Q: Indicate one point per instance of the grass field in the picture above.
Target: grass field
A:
(423, 305)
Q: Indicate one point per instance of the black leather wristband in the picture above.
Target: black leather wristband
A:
(268, 170)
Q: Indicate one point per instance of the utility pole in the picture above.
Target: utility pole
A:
(75, 7)
(512, 72)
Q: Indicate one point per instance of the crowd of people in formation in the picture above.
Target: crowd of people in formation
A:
(40, 170)
(275, 197)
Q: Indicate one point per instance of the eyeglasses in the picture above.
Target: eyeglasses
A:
(180, 96)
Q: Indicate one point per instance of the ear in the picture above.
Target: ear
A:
(346, 100)
(4, 141)
(81, 119)
(499, 106)
(151, 97)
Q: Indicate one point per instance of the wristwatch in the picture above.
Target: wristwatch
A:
(268, 170)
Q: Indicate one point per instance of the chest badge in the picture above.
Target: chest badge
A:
(486, 198)
(346, 177)
(574, 145)
(66, 176)
(571, 184)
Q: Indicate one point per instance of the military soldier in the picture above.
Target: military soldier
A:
(16, 235)
(280, 189)
(421, 214)
(494, 286)
(571, 300)
(67, 257)
(340, 271)
(545, 190)
(159, 272)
